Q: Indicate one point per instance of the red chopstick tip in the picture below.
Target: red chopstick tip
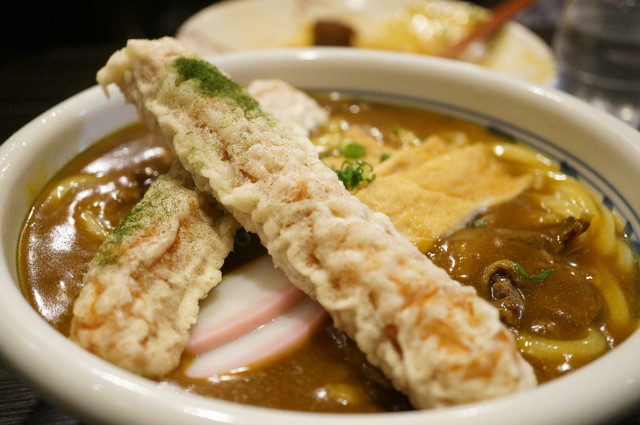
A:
(500, 15)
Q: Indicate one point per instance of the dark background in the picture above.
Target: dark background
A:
(51, 50)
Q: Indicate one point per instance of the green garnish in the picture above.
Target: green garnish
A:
(352, 150)
(139, 218)
(384, 157)
(352, 173)
(545, 273)
(481, 222)
(212, 82)
(242, 238)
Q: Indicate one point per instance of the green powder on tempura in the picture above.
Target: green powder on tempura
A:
(214, 83)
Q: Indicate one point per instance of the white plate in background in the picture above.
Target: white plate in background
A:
(234, 25)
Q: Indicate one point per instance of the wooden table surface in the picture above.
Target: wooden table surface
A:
(53, 54)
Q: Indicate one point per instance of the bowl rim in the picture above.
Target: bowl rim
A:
(98, 387)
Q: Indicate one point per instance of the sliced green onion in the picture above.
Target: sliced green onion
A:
(352, 173)
(545, 273)
(352, 150)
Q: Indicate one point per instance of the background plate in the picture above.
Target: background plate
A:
(235, 25)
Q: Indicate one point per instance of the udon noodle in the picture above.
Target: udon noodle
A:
(614, 260)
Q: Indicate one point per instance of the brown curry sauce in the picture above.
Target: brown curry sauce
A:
(329, 373)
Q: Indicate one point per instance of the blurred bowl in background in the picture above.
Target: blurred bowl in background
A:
(417, 26)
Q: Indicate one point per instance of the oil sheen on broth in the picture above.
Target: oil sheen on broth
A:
(551, 258)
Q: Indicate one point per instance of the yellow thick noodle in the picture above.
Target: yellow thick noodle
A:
(87, 220)
(92, 225)
(68, 184)
(564, 196)
(582, 350)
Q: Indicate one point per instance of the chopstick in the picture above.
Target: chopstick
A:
(500, 14)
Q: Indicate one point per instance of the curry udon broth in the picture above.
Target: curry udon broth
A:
(552, 258)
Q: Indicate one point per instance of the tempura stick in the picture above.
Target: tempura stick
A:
(436, 340)
(147, 260)
(141, 292)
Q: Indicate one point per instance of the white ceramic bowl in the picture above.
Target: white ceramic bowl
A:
(604, 152)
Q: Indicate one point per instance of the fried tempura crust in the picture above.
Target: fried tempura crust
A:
(141, 292)
(436, 340)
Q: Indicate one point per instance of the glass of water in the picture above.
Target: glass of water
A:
(597, 46)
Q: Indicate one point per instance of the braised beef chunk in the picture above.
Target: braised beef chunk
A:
(561, 233)
(501, 278)
(332, 33)
(528, 273)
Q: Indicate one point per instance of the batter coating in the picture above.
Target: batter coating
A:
(140, 301)
(141, 292)
(436, 340)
